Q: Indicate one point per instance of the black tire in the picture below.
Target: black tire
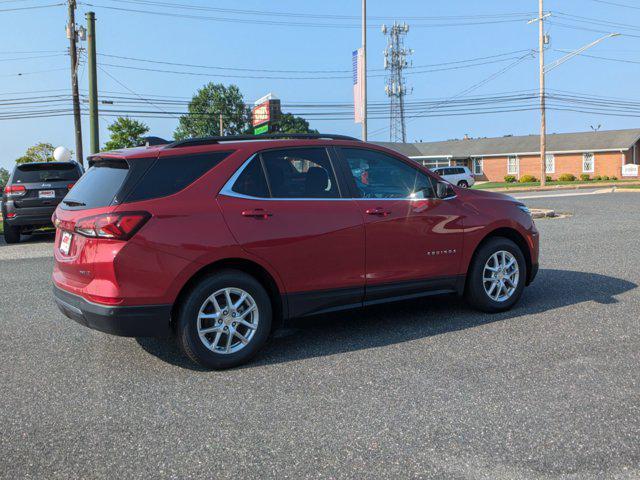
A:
(475, 292)
(463, 184)
(187, 328)
(11, 234)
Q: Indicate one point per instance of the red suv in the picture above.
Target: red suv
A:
(219, 240)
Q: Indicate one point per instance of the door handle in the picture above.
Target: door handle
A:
(257, 213)
(378, 211)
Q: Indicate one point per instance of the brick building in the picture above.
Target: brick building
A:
(602, 153)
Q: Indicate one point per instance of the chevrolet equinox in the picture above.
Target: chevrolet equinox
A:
(220, 240)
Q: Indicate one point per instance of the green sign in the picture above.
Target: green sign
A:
(261, 129)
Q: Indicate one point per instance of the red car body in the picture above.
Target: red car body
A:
(312, 256)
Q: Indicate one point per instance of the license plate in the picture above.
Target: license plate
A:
(65, 242)
(47, 194)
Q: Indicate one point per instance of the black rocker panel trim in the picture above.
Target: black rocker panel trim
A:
(303, 304)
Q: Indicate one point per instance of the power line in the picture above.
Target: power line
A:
(217, 67)
(16, 9)
(290, 23)
(616, 4)
(313, 15)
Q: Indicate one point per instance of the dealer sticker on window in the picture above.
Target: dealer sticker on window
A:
(65, 242)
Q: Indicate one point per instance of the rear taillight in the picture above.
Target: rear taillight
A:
(70, 186)
(116, 226)
(15, 190)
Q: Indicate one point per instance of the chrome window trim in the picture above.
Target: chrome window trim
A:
(227, 190)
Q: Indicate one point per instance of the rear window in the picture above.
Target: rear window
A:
(99, 186)
(49, 172)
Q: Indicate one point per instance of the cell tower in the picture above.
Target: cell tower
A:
(395, 60)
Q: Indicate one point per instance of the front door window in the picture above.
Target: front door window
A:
(377, 175)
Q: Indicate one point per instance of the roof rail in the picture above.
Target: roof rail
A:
(272, 136)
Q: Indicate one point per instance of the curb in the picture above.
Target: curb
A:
(542, 213)
(618, 185)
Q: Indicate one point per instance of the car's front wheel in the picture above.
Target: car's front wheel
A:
(11, 233)
(224, 320)
(463, 184)
(496, 276)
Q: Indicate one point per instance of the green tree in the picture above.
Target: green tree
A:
(125, 133)
(289, 123)
(4, 177)
(205, 108)
(41, 152)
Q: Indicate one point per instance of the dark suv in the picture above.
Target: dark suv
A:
(32, 193)
(220, 240)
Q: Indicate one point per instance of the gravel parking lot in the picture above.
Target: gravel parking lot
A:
(425, 389)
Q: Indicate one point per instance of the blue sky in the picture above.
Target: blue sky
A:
(282, 47)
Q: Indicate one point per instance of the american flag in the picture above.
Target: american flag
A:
(358, 103)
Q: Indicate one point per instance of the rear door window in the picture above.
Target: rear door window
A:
(48, 172)
(252, 181)
(300, 173)
(98, 186)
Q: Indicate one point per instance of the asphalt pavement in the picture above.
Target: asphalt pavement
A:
(424, 389)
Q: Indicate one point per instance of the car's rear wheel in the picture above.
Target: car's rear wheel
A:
(11, 233)
(463, 184)
(224, 320)
(497, 276)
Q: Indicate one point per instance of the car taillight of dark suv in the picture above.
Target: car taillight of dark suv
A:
(220, 240)
(32, 193)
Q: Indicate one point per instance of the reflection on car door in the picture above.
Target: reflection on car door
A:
(413, 240)
(285, 206)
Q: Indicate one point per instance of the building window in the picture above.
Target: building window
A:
(550, 163)
(432, 163)
(588, 163)
(512, 165)
(477, 166)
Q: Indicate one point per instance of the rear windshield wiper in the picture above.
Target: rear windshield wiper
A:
(74, 203)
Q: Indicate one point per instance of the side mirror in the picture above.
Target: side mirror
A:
(444, 190)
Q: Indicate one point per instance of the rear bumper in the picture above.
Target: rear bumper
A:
(138, 321)
(28, 216)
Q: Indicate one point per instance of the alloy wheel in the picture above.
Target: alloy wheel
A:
(228, 320)
(500, 276)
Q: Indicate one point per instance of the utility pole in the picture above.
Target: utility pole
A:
(364, 68)
(72, 34)
(543, 112)
(395, 60)
(221, 126)
(94, 126)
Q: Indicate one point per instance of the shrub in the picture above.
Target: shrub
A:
(567, 177)
(527, 179)
(548, 178)
(614, 178)
(510, 178)
(598, 177)
(605, 177)
(585, 177)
